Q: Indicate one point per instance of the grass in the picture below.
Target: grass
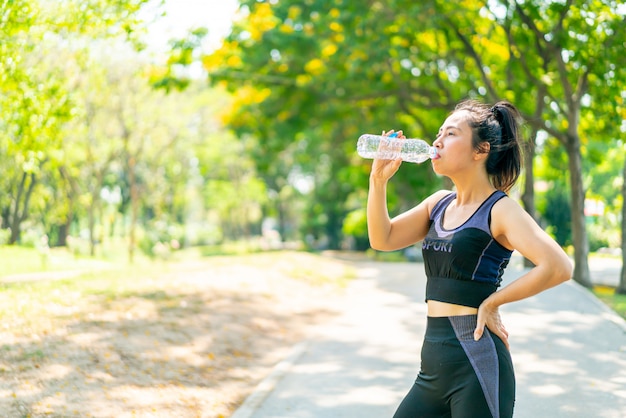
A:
(616, 302)
(26, 304)
(152, 334)
(22, 260)
(607, 294)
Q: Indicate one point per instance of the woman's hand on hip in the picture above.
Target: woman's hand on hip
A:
(489, 316)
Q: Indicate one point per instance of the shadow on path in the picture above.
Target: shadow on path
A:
(569, 353)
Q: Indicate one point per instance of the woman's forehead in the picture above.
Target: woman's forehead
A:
(457, 119)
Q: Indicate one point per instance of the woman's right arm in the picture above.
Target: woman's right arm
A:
(406, 229)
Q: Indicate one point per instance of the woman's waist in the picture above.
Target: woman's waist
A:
(440, 309)
(450, 329)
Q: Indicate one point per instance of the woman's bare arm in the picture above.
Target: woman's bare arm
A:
(515, 229)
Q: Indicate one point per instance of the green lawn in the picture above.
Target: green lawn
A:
(611, 299)
(20, 260)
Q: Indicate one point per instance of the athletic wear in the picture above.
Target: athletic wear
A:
(460, 377)
(463, 265)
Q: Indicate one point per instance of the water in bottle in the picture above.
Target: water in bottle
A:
(391, 148)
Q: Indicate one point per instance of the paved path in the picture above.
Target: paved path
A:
(569, 353)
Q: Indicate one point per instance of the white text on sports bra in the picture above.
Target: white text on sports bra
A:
(436, 245)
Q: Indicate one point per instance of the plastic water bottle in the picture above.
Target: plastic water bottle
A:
(392, 148)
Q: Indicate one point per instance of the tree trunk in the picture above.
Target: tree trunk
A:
(579, 231)
(71, 193)
(282, 219)
(134, 209)
(621, 288)
(333, 229)
(91, 216)
(20, 212)
(4, 223)
(528, 195)
(64, 230)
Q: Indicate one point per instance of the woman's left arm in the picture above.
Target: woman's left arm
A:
(515, 229)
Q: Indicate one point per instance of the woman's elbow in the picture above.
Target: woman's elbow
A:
(565, 270)
(378, 246)
(381, 245)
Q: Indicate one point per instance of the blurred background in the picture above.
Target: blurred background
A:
(136, 128)
(180, 195)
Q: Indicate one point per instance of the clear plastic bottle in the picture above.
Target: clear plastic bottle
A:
(392, 148)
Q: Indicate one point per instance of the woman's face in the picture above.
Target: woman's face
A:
(454, 145)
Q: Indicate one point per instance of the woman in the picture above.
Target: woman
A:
(468, 238)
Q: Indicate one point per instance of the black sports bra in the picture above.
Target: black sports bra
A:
(463, 265)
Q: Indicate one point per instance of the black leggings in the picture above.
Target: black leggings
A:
(460, 377)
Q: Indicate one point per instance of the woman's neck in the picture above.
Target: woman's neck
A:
(473, 191)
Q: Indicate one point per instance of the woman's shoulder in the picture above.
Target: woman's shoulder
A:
(507, 211)
(432, 200)
(439, 194)
(505, 204)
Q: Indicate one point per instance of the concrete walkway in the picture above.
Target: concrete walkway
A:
(569, 352)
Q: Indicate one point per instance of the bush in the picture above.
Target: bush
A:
(355, 225)
(5, 235)
(161, 239)
(557, 214)
(598, 237)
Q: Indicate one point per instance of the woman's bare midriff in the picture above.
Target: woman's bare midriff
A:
(436, 308)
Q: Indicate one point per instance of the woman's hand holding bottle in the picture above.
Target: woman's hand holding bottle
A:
(383, 170)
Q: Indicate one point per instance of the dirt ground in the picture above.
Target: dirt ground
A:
(193, 342)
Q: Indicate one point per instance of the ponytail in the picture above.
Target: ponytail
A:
(499, 127)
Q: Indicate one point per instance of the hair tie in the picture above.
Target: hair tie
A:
(497, 114)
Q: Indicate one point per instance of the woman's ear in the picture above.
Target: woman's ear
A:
(482, 152)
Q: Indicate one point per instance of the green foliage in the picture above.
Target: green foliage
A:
(40, 44)
(319, 73)
(161, 238)
(87, 144)
(355, 225)
(598, 237)
(89, 148)
(183, 53)
(5, 234)
(308, 79)
(604, 167)
(557, 213)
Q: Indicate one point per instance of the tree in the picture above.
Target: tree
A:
(298, 72)
(557, 60)
(35, 88)
(621, 288)
(563, 53)
(579, 47)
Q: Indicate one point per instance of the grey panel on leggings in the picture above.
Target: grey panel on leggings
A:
(482, 354)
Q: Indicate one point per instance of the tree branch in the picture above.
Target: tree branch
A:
(476, 57)
(552, 52)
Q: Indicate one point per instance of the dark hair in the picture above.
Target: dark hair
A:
(499, 126)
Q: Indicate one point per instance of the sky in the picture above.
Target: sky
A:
(182, 15)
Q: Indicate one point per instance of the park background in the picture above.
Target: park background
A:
(128, 151)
